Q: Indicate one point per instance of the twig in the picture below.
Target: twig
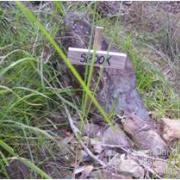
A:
(76, 132)
(35, 42)
(115, 146)
(150, 170)
(7, 46)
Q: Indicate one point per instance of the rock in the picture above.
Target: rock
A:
(18, 170)
(97, 145)
(127, 166)
(115, 136)
(159, 167)
(171, 129)
(144, 135)
(112, 138)
(166, 169)
(77, 28)
(92, 130)
(84, 171)
(108, 174)
(117, 88)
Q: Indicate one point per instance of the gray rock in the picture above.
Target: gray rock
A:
(145, 135)
(118, 87)
(115, 136)
(127, 166)
(17, 170)
(92, 130)
(108, 174)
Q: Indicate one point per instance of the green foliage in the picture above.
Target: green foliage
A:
(28, 93)
(28, 163)
(4, 24)
(157, 93)
(172, 171)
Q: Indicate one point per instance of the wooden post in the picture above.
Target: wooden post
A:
(104, 59)
(98, 38)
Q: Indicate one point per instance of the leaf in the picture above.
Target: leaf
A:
(8, 148)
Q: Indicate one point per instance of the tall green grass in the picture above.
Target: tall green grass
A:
(35, 21)
(23, 99)
(29, 91)
(28, 163)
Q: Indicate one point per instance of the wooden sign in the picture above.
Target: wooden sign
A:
(102, 58)
(99, 58)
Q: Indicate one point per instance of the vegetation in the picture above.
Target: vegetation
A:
(31, 94)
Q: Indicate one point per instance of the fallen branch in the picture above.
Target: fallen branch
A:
(76, 132)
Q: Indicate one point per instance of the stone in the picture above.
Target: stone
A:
(145, 136)
(92, 130)
(159, 167)
(18, 170)
(171, 129)
(108, 174)
(115, 136)
(117, 88)
(127, 166)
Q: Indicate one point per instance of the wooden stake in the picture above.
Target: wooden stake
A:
(98, 38)
(104, 59)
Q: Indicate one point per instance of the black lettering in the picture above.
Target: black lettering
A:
(101, 59)
(108, 60)
(84, 58)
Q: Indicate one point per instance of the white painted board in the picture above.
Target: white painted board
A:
(102, 58)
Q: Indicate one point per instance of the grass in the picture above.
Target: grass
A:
(30, 90)
(25, 98)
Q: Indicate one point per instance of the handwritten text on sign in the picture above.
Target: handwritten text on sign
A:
(102, 58)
